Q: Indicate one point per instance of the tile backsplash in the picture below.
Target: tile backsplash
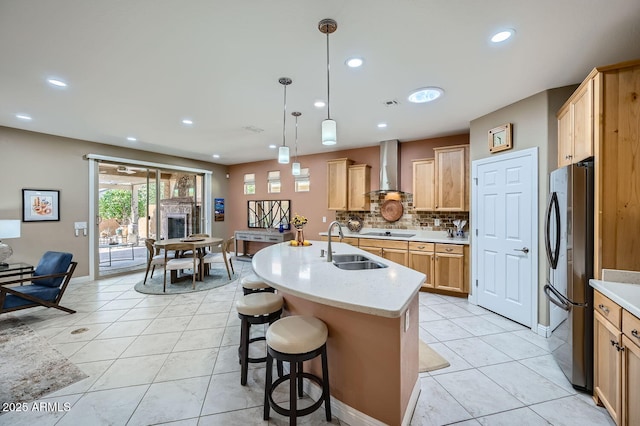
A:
(410, 219)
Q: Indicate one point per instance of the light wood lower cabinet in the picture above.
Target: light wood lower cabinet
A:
(421, 258)
(395, 251)
(449, 267)
(616, 361)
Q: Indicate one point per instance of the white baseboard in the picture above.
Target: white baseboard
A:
(543, 330)
(353, 417)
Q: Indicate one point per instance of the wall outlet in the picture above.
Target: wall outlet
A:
(406, 321)
(324, 219)
(436, 222)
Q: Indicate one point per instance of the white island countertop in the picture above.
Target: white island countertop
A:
(301, 272)
(403, 235)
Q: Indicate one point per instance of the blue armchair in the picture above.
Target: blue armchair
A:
(47, 285)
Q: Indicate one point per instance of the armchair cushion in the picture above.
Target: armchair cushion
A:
(52, 262)
(41, 292)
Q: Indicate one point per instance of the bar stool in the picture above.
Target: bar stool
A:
(254, 284)
(295, 339)
(256, 308)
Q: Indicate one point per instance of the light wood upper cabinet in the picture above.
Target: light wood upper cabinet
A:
(451, 172)
(423, 184)
(576, 126)
(359, 184)
(337, 183)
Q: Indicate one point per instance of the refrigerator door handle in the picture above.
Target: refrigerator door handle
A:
(552, 255)
(558, 300)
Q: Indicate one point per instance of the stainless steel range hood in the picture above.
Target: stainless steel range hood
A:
(389, 169)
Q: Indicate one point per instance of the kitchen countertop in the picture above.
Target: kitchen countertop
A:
(420, 236)
(300, 271)
(625, 293)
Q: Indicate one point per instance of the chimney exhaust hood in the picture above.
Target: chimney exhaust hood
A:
(389, 169)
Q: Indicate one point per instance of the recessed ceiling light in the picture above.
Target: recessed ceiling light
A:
(425, 94)
(502, 35)
(187, 121)
(354, 62)
(131, 139)
(382, 125)
(272, 146)
(319, 104)
(25, 117)
(216, 156)
(56, 82)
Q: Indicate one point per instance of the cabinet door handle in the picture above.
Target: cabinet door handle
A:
(448, 249)
(635, 334)
(604, 309)
(420, 247)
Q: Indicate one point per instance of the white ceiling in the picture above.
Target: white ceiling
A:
(139, 67)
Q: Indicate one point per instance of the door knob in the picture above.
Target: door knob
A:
(523, 249)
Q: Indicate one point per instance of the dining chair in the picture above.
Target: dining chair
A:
(177, 263)
(153, 259)
(187, 253)
(219, 254)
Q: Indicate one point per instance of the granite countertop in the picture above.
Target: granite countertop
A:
(403, 235)
(623, 287)
(301, 272)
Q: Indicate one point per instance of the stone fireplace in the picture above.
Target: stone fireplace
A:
(177, 217)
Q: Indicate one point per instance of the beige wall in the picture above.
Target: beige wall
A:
(39, 161)
(534, 125)
(313, 204)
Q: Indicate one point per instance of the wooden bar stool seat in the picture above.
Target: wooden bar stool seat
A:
(296, 339)
(255, 308)
(254, 284)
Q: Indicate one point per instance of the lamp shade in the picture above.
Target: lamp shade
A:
(329, 132)
(9, 229)
(295, 169)
(283, 155)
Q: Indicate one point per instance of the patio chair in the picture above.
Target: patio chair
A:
(47, 285)
(153, 259)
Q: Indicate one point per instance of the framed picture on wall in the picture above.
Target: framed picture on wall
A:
(40, 205)
(500, 138)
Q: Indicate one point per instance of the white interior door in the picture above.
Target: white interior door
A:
(505, 223)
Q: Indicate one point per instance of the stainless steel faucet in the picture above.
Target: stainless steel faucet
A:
(329, 252)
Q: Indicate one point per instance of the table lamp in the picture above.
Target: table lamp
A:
(8, 229)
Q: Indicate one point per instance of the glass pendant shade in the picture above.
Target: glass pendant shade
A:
(295, 169)
(329, 132)
(283, 155)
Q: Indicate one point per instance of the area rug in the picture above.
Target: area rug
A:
(217, 278)
(429, 359)
(29, 367)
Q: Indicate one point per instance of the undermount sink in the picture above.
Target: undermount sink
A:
(340, 258)
(388, 234)
(357, 266)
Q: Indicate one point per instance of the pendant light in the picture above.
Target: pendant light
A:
(329, 128)
(283, 152)
(295, 166)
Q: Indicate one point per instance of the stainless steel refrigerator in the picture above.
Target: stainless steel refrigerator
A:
(569, 247)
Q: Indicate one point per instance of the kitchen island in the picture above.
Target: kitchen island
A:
(372, 316)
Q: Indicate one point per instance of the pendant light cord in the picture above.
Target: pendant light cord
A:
(296, 142)
(284, 119)
(328, 82)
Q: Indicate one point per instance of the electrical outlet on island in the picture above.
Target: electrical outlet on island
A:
(406, 321)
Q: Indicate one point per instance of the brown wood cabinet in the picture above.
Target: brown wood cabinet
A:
(616, 361)
(359, 184)
(395, 251)
(424, 184)
(449, 268)
(337, 183)
(451, 175)
(421, 258)
(576, 126)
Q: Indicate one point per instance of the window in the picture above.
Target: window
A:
(273, 182)
(250, 183)
(303, 182)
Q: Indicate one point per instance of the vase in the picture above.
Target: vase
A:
(299, 236)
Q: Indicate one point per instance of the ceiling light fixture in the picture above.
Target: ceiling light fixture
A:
(187, 121)
(382, 125)
(295, 167)
(283, 151)
(272, 146)
(354, 62)
(502, 35)
(425, 94)
(131, 139)
(319, 104)
(25, 117)
(56, 82)
(216, 156)
(329, 128)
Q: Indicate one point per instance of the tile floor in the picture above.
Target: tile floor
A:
(173, 360)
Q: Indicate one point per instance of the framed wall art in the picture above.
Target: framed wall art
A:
(40, 205)
(500, 138)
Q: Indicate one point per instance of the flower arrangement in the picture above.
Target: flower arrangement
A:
(299, 221)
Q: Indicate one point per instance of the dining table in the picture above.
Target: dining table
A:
(196, 243)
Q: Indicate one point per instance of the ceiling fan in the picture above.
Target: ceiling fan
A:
(125, 169)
